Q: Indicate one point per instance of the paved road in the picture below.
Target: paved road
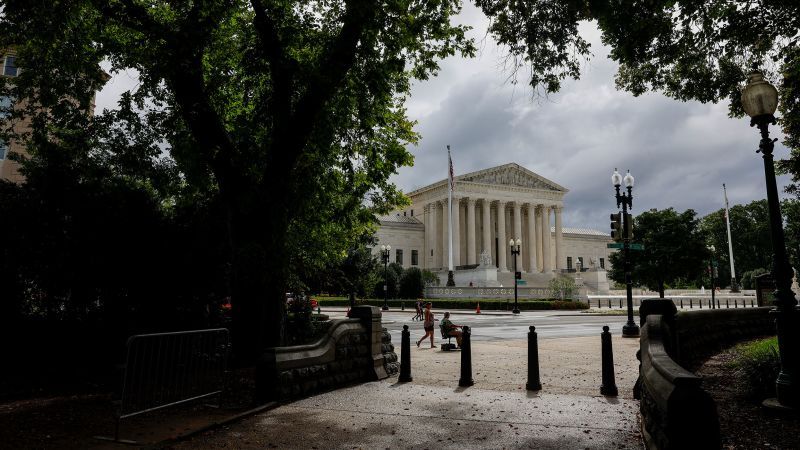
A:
(492, 326)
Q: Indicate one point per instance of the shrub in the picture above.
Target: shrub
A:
(756, 365)
(749, 278)
(430, 278)
(411, 283)
(562, 288)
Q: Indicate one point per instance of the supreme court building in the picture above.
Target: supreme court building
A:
(490, 207)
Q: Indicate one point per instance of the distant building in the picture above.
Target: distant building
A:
(9, 170)
(492, 206)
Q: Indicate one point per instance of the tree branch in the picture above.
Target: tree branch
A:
(333, 66)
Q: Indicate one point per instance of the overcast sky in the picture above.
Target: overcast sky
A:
(679, 153)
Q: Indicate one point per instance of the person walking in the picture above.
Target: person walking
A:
(418, 306)
(428, 325)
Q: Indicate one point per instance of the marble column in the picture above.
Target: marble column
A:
(547, 265)
(430, 231)
(532, 238)
(501, 237)
(518, 231)
(486, 242)
(456, 233)
(540, 237)
(471, 257)
(559, 241)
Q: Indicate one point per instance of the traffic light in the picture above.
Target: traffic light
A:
(616, 227)
(628, 226)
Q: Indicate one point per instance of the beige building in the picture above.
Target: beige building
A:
(9, 170)
(490, 207)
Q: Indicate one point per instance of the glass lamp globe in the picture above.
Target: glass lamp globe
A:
(511, 242)
(383, 248)
(519, 242)
(759, 98)
(616, 178)
(628, 180)
(388, 248)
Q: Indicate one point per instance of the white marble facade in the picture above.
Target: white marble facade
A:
(490, 207)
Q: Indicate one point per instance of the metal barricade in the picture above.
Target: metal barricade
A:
(167, 369)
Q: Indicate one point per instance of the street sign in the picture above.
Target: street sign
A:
(620, 245)
(518, 275)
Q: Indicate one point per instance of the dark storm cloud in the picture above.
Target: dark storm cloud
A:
(680, 153)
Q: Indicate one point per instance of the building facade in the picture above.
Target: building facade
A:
(490, 207)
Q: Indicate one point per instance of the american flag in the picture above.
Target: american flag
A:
(451, 176)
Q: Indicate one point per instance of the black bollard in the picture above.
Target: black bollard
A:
(727, 305)
(598, 303)
(681, 303)
(751, 303)
(735, 304)
(402, 306)
(533, 384)
(700, 301)
(609, 303)
(405, 356)
(466, 358)
(319, 309)
(609, 387)
(620, 303)
(717, 303)
(691, 306)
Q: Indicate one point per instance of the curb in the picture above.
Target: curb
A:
(213, 425)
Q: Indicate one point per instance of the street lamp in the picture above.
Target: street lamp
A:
(385, 249)
(515, 250)
(759, 100)
(713, 270)
(630, 329)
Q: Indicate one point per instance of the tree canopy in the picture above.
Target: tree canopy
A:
(674, 250)
(287, 115)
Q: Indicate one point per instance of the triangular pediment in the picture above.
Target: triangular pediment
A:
(511, 175)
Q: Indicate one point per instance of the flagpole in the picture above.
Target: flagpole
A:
(734, 285)
(450, 279)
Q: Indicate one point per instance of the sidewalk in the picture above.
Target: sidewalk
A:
(433, 412)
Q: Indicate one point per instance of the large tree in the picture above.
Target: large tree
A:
(289, 112)
(674, 250)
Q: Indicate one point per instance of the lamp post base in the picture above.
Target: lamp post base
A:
(384, 308)
(630, 330)
(515, 310)
(734, 286)
(450, 280)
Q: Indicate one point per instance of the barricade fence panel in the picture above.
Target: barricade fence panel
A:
(165, 369)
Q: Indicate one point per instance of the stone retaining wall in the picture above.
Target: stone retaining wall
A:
(676, 412)
(355, 349)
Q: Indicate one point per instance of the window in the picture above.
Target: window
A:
(602, 263)
(10, 66)
(569, 262)
(580, 263)
(412, 213)
(399, 257)
(6, 105)
(414, 258)
(3, 149)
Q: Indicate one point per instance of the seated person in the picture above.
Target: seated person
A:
(450, 328)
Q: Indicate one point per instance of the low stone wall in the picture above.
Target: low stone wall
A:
(676, 412)
(355, 349)
(700, 334)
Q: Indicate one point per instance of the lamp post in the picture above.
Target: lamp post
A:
(712, 271)
(515, 250)
(760, 100)
(630, 329)
(385, 249)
